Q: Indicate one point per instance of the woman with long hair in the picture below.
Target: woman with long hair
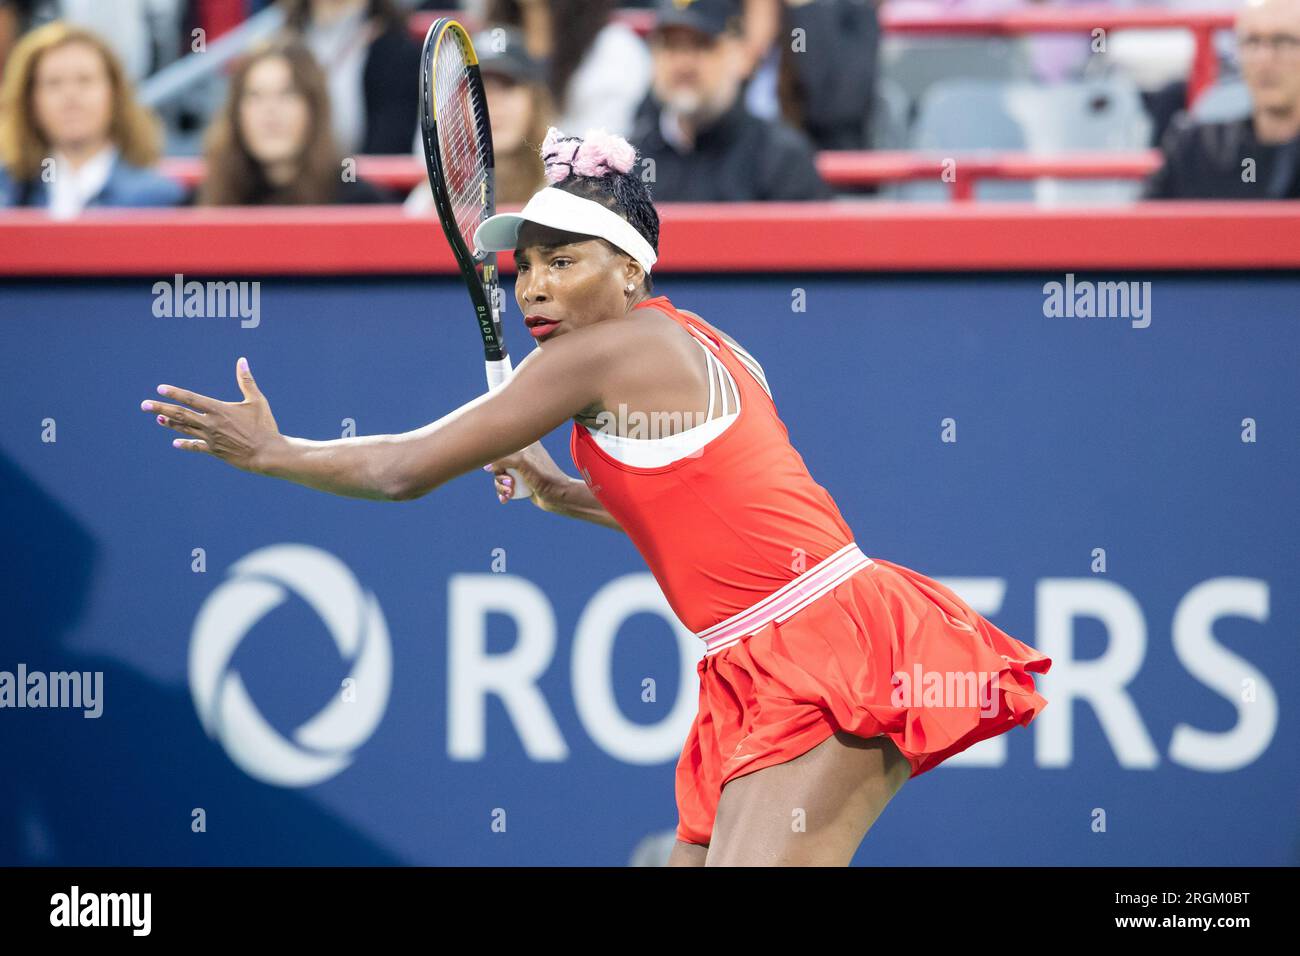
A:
(72, 133)
(271, 143)
(521, 110)
(828, 677)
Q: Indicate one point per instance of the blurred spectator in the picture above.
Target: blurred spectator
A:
(520, 110)
(15, 17)
(71, 132)
(131, 27)
(272, 144)
(825, 89)
(371, 62)
(705, 144)
(216, 18)
(1160, 64)
(597, 70)
(762, 43)
(761, 29)
(1255, 157)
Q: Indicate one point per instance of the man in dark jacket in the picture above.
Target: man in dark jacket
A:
(1257, 157)
(697, 141)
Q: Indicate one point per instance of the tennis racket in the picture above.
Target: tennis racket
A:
(458, 154)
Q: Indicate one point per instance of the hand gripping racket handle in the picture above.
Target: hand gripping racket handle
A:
(497, 374)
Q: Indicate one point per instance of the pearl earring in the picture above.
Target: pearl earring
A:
(630, 287)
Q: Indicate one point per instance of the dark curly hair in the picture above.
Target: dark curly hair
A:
(625, 194)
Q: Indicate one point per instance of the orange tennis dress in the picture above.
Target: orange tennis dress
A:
(804, 634)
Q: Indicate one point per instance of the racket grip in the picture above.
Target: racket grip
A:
(521, 489)
(497, 375)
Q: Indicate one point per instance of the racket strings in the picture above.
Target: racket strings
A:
(461, 125)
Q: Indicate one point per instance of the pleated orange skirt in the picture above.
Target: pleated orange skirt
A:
(888, 651)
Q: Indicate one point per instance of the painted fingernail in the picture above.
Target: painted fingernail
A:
(162, 389)
(176, 443)
(507, 480)
(162, 420)
(147, 406)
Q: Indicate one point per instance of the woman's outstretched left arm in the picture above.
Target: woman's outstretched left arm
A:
(549, 387)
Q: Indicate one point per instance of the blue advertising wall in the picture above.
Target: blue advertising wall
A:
(453, 681)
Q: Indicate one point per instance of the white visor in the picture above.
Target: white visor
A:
(563, 210)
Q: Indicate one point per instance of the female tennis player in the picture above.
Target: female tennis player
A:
(828, 677)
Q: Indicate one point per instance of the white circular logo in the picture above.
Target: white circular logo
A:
(259, 583)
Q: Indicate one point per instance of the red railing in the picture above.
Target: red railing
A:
(695, 238)
(962, 172)
(392, 172)
(842, 169)
(1203, 26)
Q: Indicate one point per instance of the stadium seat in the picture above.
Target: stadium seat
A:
(957, 116)
(1153, 58)
(1098, 114)
(890, 117)
(916, 64)
(1103, 114)
(1226, 100)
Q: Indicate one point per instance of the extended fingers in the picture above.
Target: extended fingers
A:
(193, 399)
(183, 423)
(185, 428)
(174, 412)
(181, 419)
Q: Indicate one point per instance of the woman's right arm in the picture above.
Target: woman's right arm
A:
(573, 373)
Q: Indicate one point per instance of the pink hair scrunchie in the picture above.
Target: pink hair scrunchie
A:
(598, 153)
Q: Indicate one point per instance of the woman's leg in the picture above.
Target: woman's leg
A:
(687, 854)
(813, 810)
